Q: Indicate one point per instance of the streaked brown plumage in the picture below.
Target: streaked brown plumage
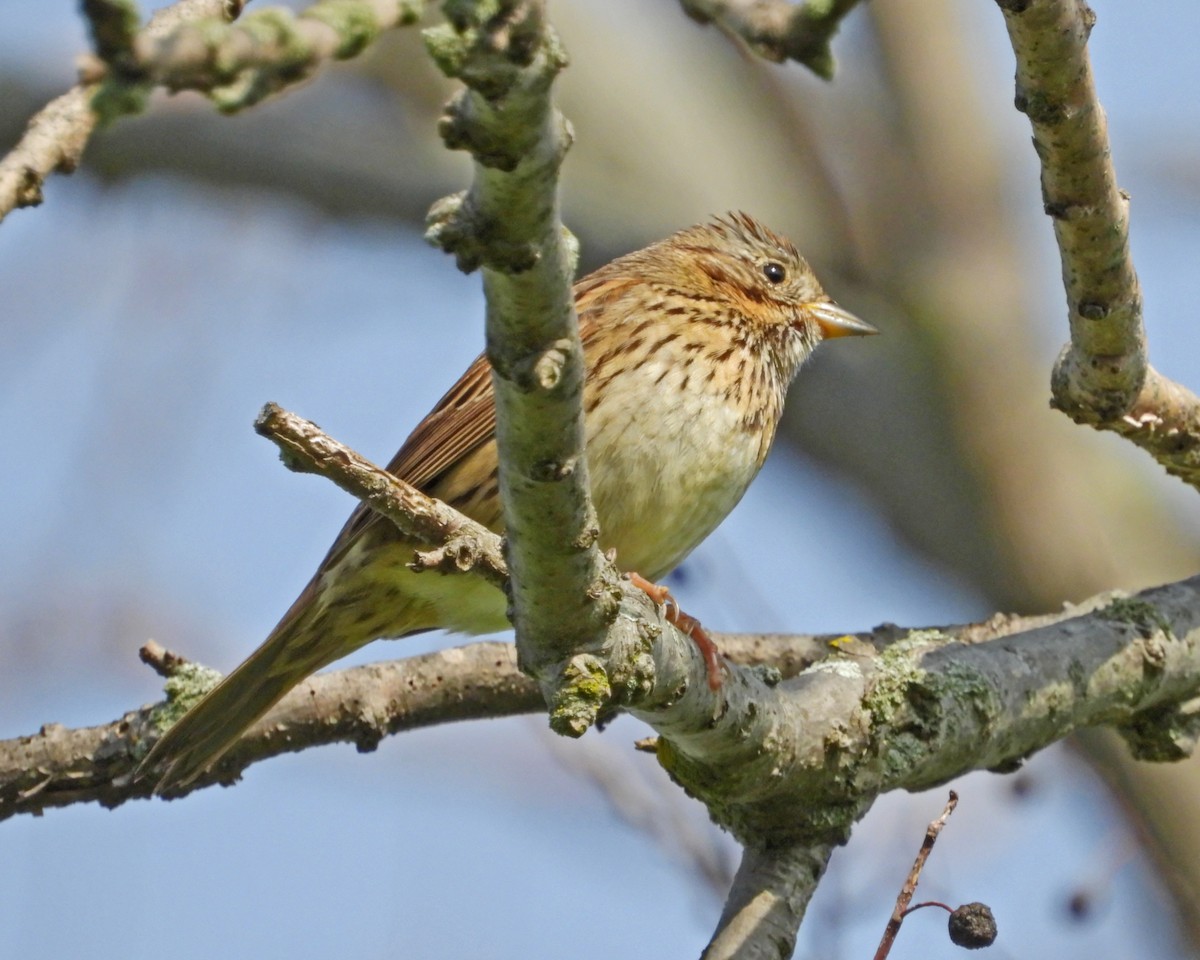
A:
(690, 345)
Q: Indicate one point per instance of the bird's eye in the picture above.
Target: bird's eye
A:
(774, 272)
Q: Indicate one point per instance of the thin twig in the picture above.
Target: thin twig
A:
(458, 542)
(58, 767)
(914, 877)
(164, 662)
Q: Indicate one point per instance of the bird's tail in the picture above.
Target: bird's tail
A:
(294, 650)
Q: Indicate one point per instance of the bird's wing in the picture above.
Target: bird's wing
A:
(465, 418)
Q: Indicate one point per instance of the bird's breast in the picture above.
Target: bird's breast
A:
(670, 454)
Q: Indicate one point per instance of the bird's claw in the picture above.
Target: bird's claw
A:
(689, 625)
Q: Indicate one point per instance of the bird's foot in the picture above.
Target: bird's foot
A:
(688, 624)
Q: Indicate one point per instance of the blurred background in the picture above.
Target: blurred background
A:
(198, 266)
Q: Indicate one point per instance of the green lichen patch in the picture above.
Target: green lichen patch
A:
(447, 48)
(1144, 616)
(186, 687)
(353, 21)
(958, 683)
(912, 708)
(898, 676)
(115, 99)
(635, 671)
(583, 693)
(1164, 735)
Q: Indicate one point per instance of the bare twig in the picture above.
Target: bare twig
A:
(457, 542)
(914, 876)
(57, 135)
(1102, 377)
(164, 662)
(779, 30)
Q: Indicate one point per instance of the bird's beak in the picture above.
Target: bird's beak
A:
(836, 321)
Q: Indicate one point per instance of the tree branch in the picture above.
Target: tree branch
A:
(564, 592)
(458, 544)
(57, 135)
(58, 766)
(767, 902)
(779, 30)
(236, 66)
(1102, 378)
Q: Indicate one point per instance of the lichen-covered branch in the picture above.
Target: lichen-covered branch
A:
(57, 135)
(564, 592)
(779, 30)
(1102, 378)
(236, 66)
(930, 708)
(57, 767)
(879, 711)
